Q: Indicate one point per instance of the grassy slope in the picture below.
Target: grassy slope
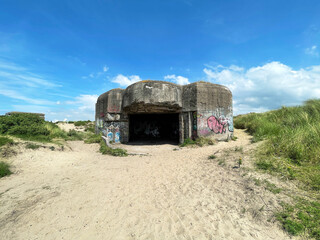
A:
(292, 150)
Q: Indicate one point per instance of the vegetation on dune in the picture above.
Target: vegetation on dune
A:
(96, 138)
(81, 123)
(31, 127)
(5, 140)
(292, 150)
(201, 141)
(104, 149)
(4, 169)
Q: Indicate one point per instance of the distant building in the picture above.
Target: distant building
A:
(41, 115)
(158, 110)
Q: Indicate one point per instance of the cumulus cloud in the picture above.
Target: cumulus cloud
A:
(266, 87)
(312, 51)
(125, 81)
(177, 79)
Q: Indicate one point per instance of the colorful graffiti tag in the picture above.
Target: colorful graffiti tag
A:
(220, 125)
(110, 136)
(117, 137)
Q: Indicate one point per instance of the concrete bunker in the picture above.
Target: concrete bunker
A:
(159, 111)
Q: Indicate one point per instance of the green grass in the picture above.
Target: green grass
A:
(32, 146)
(93, 139)
(5, 140)
(292, 150)
(201, 141)
(212, 157)
(32, 127)
(104, 149)
(303, 216)
(81, 123)
(4, 169)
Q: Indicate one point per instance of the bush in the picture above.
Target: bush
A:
(24, 125)
(4, 169)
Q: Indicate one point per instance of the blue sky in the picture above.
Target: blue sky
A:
(56, 57)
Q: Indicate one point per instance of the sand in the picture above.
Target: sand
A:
(172, 193)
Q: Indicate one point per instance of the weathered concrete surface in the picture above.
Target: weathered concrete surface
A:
(205, 109)
(152, 96)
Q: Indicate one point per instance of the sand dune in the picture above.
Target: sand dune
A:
(169, 194)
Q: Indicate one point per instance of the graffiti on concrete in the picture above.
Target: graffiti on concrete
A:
(110, 136)
(114, 108)
(110, 129)
(112, 117)
(220, 125)
(117, 137)
(100, 123)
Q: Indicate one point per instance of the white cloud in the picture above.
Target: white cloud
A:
(81, 107)
(17, 95)
(266, 87)
(312, 51)
(125, 81)
(105, 68)
(177, 79)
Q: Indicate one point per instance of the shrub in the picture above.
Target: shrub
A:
(24, 125)
(4, 169)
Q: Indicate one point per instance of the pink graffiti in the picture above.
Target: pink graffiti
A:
(217, 125)
(113, 108)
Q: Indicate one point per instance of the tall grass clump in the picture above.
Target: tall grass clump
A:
(95, 138)
(4, 169)
(5, 140)
(104, 149)
(200, 142)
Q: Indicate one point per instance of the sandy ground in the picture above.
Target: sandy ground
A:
(69, 126)
(78, 193)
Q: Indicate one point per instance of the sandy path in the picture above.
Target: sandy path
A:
(80, 194)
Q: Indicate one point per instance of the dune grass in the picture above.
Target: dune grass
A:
(4, 169)
(200, 142)
(104, 149)
(95, 138)
(291, 149)
(5, 140)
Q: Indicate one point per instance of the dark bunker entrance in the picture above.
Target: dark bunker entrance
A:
(154, 128)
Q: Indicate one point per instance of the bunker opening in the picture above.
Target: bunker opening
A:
(154, 128)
